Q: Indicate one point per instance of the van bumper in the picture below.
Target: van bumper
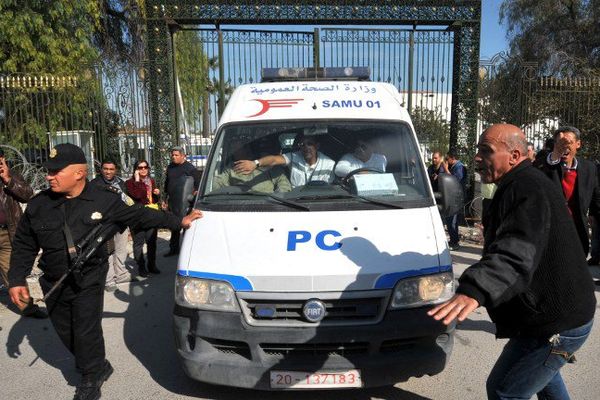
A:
(221, 348)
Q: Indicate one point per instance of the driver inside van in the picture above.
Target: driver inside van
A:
(262, 180)
(308, 164)
(362, 157)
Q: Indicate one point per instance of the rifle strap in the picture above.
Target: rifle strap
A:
(71, 249)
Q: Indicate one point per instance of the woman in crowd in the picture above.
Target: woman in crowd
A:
(142, 189)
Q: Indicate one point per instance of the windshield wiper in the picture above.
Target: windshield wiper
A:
(281, 200)
(350, 196)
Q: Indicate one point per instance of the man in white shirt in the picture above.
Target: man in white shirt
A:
(363, 157)
(307, 164)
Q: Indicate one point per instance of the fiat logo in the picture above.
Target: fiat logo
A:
(313, 310)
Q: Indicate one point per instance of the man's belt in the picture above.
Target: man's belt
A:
(3, 226)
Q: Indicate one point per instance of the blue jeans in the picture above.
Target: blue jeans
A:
(452, 225)
(531, 365)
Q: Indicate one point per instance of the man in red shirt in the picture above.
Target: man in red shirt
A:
(577, 179)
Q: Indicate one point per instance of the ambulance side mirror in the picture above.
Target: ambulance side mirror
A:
(182, 196)
(449, 196)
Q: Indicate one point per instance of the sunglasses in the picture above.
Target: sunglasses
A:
(307, 143)
(142, 167)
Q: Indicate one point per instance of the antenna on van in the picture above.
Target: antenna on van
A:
(315, 74)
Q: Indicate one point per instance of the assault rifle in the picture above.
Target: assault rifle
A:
(84, 250)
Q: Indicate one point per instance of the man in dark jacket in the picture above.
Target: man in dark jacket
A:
(576, 178)
(13, 190)
(177, 170)
(117, 270)
(532, 277)
(455, 167)
(55, 221)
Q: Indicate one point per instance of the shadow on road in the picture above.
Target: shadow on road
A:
(44, 341)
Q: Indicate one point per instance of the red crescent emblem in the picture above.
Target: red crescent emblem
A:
(275, 103)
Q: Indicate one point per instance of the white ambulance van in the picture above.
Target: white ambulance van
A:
(316, 270)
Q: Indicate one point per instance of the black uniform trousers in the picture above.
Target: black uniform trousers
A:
(174, 241)
(76, 314)
(140, 237)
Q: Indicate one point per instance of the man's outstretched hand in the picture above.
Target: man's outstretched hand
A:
(459, 306)
(186, 222)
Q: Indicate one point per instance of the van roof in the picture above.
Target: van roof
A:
(314, 100)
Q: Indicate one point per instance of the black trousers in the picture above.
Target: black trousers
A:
(76, 315)
(139, 238)
(174, 241)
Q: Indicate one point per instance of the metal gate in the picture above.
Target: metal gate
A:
(418, 62)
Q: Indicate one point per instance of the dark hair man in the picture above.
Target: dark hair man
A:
(55, 221)
(117, 271)
(532, 276)
(530, 151)
(13, 190)
(577, 179)
(178, 167)
(455, 167)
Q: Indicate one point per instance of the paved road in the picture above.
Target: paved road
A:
(137, 326)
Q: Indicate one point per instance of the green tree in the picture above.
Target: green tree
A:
(192, 66)
(194, 69)
(121, 31)
(47, 36)
(433, 130)
(562, 35)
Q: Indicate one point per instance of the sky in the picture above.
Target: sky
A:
(493, 35)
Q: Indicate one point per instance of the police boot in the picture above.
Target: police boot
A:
(89, 388)
(87, 391)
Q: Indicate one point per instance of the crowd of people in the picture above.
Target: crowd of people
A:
(533, 276)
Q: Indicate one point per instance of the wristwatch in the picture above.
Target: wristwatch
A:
(257, 163)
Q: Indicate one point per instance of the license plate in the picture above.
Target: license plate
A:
(315, 380)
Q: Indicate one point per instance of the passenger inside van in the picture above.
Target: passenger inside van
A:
(362, 157)
(307, 164)
(263, 180)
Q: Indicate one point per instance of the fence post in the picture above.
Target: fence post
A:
(316, 49)
(411, 61)
(221, 101)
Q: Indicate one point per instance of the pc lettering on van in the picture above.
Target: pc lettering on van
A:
(296, 237)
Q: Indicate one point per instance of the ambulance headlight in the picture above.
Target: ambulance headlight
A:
(424, 290)
(205, 294)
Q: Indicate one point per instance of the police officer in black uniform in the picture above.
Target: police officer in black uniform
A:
(72, 207)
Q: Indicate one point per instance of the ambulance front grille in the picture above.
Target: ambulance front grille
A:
(341, 311)
(314, 349)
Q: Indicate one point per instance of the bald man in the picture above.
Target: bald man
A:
(532, 276)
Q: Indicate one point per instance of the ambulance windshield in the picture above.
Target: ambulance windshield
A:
(321, 164)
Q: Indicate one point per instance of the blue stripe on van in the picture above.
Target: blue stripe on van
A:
(239, 283)
(388, 281)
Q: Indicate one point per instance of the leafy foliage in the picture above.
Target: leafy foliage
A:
(47, 36)
(432, 129)
(120, 35)
(197, 87)
(563, 35)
